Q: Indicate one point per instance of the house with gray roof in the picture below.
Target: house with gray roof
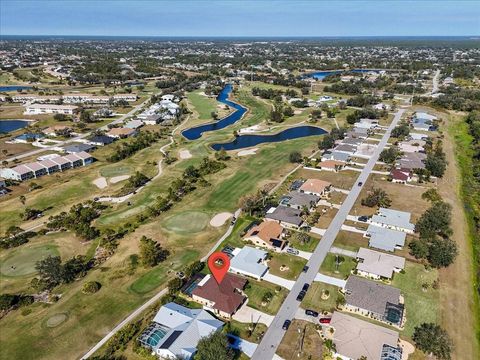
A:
(345, 148)
(354, 338)
(384, 238)
(249, 261)
(76, 148)
(176, 330)
(375, 300)
(299, 200)
(393, 219)
(378, 265)
(336, 155)
(285, 216)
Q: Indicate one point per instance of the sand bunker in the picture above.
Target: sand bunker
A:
(220, 219)
(185, 154)
(117, 179)
(247, 152)
(100, 182)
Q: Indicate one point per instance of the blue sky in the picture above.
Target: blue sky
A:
(240, 17)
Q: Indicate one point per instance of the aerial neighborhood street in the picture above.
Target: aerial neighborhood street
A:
(234, 196)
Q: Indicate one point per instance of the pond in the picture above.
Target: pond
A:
(245, 141)
(14, 87)
(12, 125)
(320, 75)
(197, 131)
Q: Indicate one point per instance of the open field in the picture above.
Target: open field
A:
(344, 268)
(292, 265)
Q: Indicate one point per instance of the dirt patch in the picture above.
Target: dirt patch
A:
(117, 179)
(185, 154)
(220, 219)
(100, 182)
(407, 349)
(247, 152)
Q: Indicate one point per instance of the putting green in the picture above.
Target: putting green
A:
(187, 222)
(21, 262)
(56, 320)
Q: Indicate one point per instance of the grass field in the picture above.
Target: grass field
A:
(293, 264)
(187, 222)
(421, 305)
(301, 341)
(21, 262)
(342, 271)
(313, 300)
(257, 289)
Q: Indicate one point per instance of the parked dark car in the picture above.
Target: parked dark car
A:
(363, 218)
(360, 183)
(301, 295)
(305, 268)
(305, 287)
(286, 324)
(324, 320)
(311, 313)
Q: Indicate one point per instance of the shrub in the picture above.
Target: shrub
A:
(91, 287)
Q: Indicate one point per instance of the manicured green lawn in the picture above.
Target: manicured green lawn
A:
(295, 265)
(187, 222)
(421, 306)
(21, 261)
(235, 239)
(257, 289)
(203, 105)
(313, 300)
(342, 271)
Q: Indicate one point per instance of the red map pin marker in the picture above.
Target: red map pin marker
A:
(219, 263)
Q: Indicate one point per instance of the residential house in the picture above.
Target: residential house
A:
(63, 163)
(412, 161)
(175, 331)
(336, 156)
(75, 148)
(267, 234)
(401, 176)
(378, 265)
(374, 300)
(39, 109)
(75, 161)
(331, 165)
(38, 170)
(393, 219)
(345, 148)
(300, 200)
(100, 140)
(249, 261)
(19, 173)
(121, 132)
(52, 167)
(316, 187)
(285, 216)
(352, 141)
(411, 146)
(134, 124)
(384, 238)
(355, 338)
(223, 299)
(55, 129)
(27, 138)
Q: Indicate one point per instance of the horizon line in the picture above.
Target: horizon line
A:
(254, 36)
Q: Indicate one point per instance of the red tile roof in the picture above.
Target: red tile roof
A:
(225, 296)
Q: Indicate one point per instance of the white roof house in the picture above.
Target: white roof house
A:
(393, 219)
(176, 331)
(384, 238)
(354, 338)
(249, 261)
(378, 265)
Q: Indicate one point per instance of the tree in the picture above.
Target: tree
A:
(431, 195)
(377, 197)
(175, 285)
(442, 252)
(432, 339)
(50, 270)
(295, 157)
(22, 199)
(214, 115)
(435, 221)
(214, 347)
(327, 142)
(91, 287)
(222, 155)
(401, 131)
(151, 253)
(389, 155)
(436, 165)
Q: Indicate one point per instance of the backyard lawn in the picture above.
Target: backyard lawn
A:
(301, 341)
(256, 291)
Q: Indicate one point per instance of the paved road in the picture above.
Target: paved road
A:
(272, 338)
(61, 143)
(436, 77)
